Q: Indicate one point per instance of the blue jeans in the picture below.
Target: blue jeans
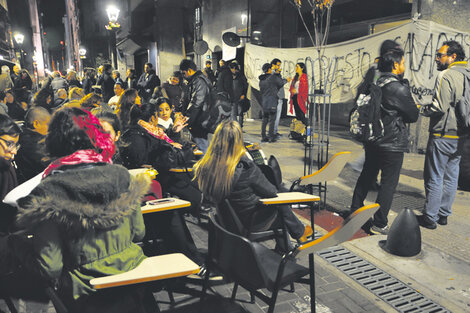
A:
(202, 143)
(278, 115)
(441, 173)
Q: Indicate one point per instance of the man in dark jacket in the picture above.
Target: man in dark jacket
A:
(240, 86)
(30, 156)
(224, 81)
(107, 83)
(269, 86)
(148, 81)
(209, 72)
(386, 154)
(198, 96)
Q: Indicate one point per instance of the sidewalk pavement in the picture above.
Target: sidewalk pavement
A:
(441, 272)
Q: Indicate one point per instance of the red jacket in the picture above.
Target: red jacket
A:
(302, 94)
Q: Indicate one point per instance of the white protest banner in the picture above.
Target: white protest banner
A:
(351, 59)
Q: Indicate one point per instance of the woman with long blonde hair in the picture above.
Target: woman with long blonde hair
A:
(226, 172)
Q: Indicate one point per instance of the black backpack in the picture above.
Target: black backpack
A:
(365, 119)
(216, 109)
(462, 107)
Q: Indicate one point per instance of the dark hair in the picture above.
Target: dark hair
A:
(388, 45)
(118, 74)
(266, 67)
(126, 102)
(275, 61)
(34, 114)
(187, 64)
(455, 47)
(304, 70)
(40, 98)
(208, 62)
(234, 65)
(8, 126)
(65, 136)
(132, 70)
(111, 118)
(107, 67)
(90, 100)
(387, 61)
(149, 64)
(162, 100)
(144, 112)
(119, 83)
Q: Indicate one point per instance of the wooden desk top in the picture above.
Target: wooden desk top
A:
(151, 269)
(290, 197)
(150, 171)
(166, 206)
(181, 169)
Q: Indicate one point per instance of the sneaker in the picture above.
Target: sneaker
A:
(426, 222)
(278, 136)
(308, 232)
(264, 139)
(379, 230)
(273, 139)
(442, 220)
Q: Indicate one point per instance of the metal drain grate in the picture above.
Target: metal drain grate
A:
(393, 291)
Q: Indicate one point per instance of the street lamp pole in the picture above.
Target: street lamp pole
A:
(113, 26)
(19, 38)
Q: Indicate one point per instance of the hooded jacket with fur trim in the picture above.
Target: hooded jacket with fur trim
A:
(84, 220)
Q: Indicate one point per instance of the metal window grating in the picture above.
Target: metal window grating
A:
(393, 291)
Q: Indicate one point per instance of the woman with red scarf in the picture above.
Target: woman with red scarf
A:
(299, 93)
(84, 215)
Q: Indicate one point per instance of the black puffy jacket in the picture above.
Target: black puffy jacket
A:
(249, 185)
(398, 108)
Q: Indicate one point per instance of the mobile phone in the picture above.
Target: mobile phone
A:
(159, 201)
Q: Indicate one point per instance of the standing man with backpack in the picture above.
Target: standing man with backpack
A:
(198, 97)
(446, 128)
(385, 150)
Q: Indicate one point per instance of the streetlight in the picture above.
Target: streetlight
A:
(113, 26)
(19, 38)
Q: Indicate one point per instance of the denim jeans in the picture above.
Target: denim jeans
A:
(268, 117)
(278, 115)
(390, 164)
(441, 173)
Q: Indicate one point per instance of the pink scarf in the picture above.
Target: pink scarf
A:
(156, 132)
(99, 139)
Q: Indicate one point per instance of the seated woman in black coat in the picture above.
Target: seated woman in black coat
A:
(225, 172)
(145, 145)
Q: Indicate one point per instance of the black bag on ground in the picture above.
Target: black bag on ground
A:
(297, 130)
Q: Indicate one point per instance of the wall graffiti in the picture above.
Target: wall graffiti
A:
(344, 65)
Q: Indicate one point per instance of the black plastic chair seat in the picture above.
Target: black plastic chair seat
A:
(271, 260)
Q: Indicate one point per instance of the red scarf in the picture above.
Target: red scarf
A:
(156, 132)
(99, 139)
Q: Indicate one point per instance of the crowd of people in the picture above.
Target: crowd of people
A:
(77, 139)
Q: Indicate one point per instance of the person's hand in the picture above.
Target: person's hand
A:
(180, 124)
(176, 145)
(242, 97)
(294, 91)
(289, 79)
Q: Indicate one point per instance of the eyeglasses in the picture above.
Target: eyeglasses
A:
(440, 55)
(10, 146)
